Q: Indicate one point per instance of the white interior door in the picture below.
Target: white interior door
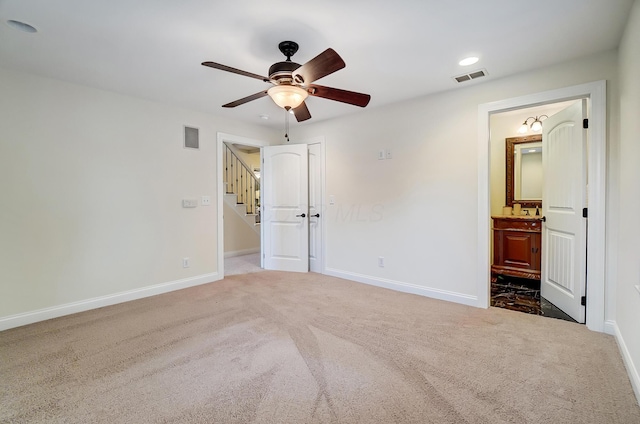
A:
(563, 275)
(285, 204)
(315, 207)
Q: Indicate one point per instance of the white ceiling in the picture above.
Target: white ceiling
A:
(394, 50)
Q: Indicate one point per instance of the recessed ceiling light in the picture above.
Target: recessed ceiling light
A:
(468, 61)
(265, 117)
(21, 26)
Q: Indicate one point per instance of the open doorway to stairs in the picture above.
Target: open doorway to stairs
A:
(239, 244)
(597, 290)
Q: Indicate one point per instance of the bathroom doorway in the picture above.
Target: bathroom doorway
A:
(596, 288)
(517, 213)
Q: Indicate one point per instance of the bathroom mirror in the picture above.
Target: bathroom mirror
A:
(524, 171)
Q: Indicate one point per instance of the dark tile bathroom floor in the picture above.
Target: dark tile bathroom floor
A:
(523, 295)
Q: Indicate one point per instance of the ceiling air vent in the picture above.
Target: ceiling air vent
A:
(471, 75)
(191, 138)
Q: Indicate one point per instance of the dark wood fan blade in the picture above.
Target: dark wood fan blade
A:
(302, 112)
(235, 71)
(246, 99)
(320, 66)
(344, 96)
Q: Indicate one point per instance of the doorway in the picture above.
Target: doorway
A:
(517, 180)
(596, 93)
(240, 247)
(293, 230)
(316, 235)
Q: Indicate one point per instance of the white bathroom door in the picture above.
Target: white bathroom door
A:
(285, 205)
(564, 238)
(316, 214)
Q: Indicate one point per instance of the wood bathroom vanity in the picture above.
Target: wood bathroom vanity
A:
(517, 246)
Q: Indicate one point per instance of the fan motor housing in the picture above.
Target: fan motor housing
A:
(281, 71)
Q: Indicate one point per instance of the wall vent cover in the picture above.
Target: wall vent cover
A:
(471, 75)
(191, 138)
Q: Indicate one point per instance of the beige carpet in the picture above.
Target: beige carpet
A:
(243, 264)
(274, 347)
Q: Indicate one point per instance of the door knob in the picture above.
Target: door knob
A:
(316, 215)
(543, 219)
(302, 215)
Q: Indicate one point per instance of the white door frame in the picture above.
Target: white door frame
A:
(235, 139)
(596, 92)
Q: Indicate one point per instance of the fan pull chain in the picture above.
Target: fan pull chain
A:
(286, 124)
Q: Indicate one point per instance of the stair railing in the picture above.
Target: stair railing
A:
(241, 180)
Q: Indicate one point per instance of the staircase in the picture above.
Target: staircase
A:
(242, 187)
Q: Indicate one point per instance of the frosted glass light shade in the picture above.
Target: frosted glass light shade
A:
(287, 96)
(523, 128)
(536, 126)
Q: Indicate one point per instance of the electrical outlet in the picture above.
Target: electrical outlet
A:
(185, 262)
(206, 201)
(387, 154)
(381, 261)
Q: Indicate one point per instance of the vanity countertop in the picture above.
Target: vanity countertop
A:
(535, 217)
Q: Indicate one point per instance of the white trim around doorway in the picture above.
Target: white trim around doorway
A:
(596, 92)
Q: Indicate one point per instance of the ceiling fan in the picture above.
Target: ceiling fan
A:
(292, 82)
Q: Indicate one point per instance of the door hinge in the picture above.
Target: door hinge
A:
(585, 123)
(583, 300)
(585, 212)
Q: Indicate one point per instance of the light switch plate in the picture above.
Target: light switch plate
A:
(189, 203)
(380, 154)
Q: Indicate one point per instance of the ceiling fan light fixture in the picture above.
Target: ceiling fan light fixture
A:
(287, 96)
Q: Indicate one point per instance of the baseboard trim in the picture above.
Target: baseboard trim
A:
(18, 320)
(634, 377)
(405, 287)
(241, 252)
(610, 327)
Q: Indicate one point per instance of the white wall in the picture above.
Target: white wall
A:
(92, 183)
(418, 210)
(252, 159)
(239, 237)
(628, 290)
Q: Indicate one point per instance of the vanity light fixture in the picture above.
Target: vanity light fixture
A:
(535, 126)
